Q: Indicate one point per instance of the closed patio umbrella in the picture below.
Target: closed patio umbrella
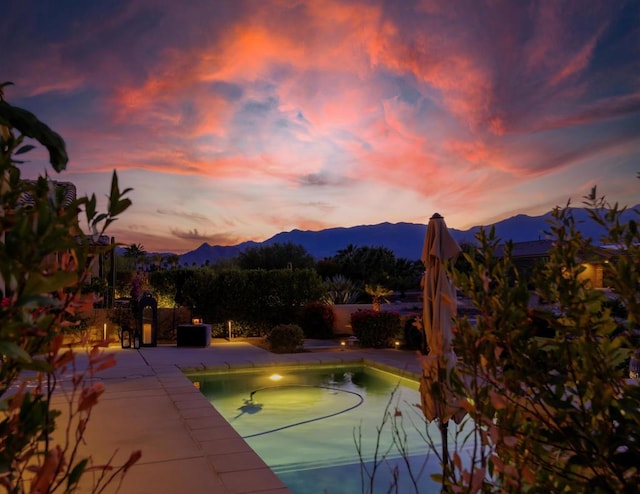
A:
(439, 307)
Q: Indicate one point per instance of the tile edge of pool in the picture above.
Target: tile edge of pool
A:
(253, 367)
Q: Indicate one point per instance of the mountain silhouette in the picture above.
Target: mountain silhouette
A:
(403, 239)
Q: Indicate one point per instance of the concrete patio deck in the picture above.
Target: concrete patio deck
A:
(187, 446)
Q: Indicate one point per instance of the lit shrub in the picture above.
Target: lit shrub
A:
(285, 338)
(376, 329)
(239, 329)
(316, 320)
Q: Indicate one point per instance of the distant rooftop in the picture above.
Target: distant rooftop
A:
(532, 248)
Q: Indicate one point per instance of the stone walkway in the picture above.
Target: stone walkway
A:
(187, 447)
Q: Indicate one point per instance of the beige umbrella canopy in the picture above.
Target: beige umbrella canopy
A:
(439, 308)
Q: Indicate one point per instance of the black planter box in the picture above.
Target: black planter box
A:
(194, 335)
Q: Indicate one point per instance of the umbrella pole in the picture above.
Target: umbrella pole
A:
(444, 426)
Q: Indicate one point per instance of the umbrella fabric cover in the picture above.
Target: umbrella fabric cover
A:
(436, 398)
(439, 308)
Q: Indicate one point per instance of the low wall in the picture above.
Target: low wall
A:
(342, 312)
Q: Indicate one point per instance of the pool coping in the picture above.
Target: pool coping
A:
(364, 361)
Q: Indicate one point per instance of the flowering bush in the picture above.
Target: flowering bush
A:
(377, 329)
(316, 320)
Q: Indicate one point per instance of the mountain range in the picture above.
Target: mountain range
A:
(403, 239)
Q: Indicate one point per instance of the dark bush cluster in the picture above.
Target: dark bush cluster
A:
(376, 329)
(412, 335)
(285, 338)
(255, 296)
(316, 320)
(617, 307)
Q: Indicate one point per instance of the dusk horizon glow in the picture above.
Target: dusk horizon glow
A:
(237, 120)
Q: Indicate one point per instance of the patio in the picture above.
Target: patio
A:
(186, 445)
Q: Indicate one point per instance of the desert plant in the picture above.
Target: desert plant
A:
(285, 338)
(376, 329)
(378, 294)
(341, 290)
(44, 265)
(316, 320)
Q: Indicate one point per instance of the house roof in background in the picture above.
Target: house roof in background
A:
(532, 248)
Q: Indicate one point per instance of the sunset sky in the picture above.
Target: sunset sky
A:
(234, 120)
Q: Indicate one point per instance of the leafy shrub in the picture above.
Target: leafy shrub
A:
(412, 335)
(341, 290)
(285, 338)
(316, 320)
(45, 266)
(376, 329)
(567, 415)
(617, 307)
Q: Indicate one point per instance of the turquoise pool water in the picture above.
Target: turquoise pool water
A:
(306, 426)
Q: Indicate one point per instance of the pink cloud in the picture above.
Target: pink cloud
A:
(311, 99)
(578, 62)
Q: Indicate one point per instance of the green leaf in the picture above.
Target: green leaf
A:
(117, 205)
(76, 474)
(38, 366)
(29, 125)
(25, 149)
(13, 351)
(90, 207)
(38, 284)
(99, 218)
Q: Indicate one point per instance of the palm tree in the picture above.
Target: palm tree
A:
(135, 252)
(173, 260)
(379, 294)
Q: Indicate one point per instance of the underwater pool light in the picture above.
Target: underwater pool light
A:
(275, 377)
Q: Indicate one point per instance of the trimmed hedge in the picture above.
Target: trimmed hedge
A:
(255, 296)
(376, 329)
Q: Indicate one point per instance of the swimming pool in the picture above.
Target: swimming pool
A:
(305, 423)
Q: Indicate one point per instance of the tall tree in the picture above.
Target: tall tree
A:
(276, 256)
(136, 253)
(173, 260)
(372, 265)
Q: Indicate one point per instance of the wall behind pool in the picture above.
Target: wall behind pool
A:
(342, 312)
